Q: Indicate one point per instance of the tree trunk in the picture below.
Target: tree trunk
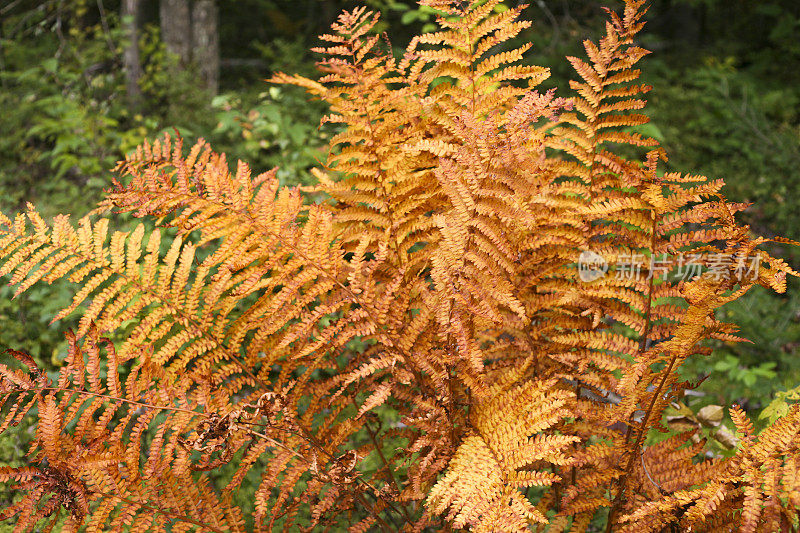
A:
(176, 29)
(130, 56)
(205, 42)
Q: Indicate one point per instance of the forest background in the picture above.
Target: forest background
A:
(82, 82)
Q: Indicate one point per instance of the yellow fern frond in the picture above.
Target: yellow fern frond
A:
(482, 482)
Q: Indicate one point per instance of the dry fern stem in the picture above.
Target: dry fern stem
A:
(423, 351)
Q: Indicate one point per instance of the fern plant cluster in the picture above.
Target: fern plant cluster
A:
(435, 299)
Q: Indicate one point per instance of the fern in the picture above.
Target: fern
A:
(444, 284)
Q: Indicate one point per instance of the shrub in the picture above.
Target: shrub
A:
(481, 329)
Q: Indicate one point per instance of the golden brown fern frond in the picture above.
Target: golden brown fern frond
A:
(481, 487)
(607, 95)
(756, 490)
(264, 251)
(462, 51)
(384, 193)
(296, 284)
(121, 285)
(90, 440)
(631, 320)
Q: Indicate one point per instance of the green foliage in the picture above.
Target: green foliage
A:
(63, 134)
(723, 121)
(276, 129)
(727, 121)
(772, 324)
(66, 119)
(65, 122)
(747, 376)
(780, 405)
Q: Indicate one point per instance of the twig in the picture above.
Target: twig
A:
(9, 7)
(106, 30)
(647, 473)
(389, 471)
(556, 39)
(109, 397)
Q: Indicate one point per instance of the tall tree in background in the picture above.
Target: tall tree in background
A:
(205, 42)
(176, 28)
(130, 56)
(189, 30)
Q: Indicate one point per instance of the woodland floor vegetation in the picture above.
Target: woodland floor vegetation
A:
(485, 308)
